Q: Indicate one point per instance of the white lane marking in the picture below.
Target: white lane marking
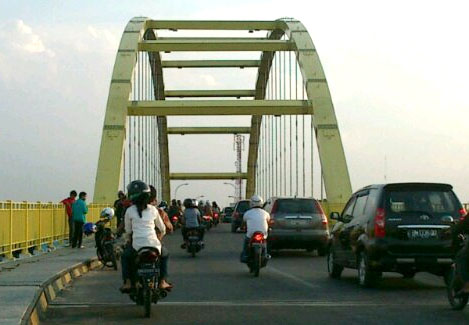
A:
(257, 304)
(292, 277)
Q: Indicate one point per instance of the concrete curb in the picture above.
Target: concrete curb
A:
(47, 291)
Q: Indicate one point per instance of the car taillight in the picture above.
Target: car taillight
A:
(274, 208)
(462, 214)
(236, 215)
(257, 237)
(323, 215)
(380, 223)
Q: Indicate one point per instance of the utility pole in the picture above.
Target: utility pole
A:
(239, 148)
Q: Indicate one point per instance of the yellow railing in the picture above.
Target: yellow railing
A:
(25, 225)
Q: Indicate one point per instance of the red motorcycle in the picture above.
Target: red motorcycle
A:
(216, 219)
(207, 222)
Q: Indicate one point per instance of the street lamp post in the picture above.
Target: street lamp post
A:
(177, 188)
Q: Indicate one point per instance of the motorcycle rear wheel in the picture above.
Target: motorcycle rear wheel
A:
(457, 303)
(147, 301)
(257, 264)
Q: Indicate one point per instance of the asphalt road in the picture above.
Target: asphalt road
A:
(294, 288)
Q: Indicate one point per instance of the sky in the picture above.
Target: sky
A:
(397, 72)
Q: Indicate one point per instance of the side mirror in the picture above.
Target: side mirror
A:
(335, 216)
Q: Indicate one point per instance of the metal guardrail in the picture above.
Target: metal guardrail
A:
(25, 225)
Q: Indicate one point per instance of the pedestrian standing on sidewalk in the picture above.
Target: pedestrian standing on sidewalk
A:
(68, 202)
(79, 211)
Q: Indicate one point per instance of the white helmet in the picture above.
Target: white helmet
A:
(107, 213)
(256, 201)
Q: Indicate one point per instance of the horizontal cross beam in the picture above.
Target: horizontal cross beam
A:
(216, 45)
(207, 176)
(219, 107)
(211, 93)
(209, 130)
(179, 64)
(215, 25)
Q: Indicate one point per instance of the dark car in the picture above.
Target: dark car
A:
(297, 223)
(226, 214)
(238, 212)
(404, 228)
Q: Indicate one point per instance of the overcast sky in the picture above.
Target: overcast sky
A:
(397, 71)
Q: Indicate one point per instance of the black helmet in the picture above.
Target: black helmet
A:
(187, 203)
(137, 188)
(162, 204)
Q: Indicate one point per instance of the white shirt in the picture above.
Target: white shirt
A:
(256, 220)
(143, 229)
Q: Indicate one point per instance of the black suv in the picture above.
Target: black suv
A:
(404, 228)
(238, 213)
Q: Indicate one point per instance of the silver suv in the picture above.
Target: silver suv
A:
(297, 223)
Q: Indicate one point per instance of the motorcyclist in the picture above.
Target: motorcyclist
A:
(163, 205)
(208, 209)
(256, 219)
(141, 220)
(173, 209)
(215, 207)
(462, 256)
(192, 219)
(164, 249)
(201, 206)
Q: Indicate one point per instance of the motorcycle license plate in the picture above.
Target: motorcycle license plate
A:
(193, 238)
(148, 272)
(422, 233)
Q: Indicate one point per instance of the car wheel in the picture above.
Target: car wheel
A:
(408, 274)
(366, 276)
(333, 269)
(322, 251)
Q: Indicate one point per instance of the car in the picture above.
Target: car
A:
(226, 214)
(298, 223)
(399, 227)
(238, 212)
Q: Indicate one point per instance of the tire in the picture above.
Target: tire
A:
(333, 269)
(322, 251)
(456, 303)
(366, 277)
(408, 274)
(257, 261)
(147, 301)
(114, 261)
(193, 250)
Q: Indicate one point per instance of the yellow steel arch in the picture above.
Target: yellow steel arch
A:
(333, 163)
(139, 35)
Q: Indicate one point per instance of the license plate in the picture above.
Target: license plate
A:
(422, 233)
(193, 238)
(299, 223)
(148, 272)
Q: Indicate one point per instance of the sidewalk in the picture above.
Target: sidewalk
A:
(21, 279)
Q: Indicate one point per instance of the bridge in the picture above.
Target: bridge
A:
(292, 120)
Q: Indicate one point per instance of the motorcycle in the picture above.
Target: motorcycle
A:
(454, 283)
(146, 290)
(194, 244)
(257, 253)
(216, 219)
(105, 249)
(175, 221)
(207, 222)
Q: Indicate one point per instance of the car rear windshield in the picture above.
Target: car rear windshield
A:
(296, 206)
(228, 210)
(243, 206)
(418, 201)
